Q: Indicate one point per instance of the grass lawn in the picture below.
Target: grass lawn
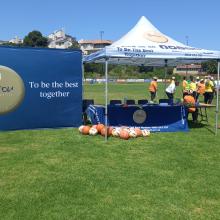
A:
(59, 174)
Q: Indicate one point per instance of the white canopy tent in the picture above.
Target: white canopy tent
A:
(145, 45)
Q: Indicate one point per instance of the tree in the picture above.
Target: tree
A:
(35, 39)
(75, 43)
(210, 67)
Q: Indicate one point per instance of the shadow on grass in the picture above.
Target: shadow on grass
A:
(196, 125)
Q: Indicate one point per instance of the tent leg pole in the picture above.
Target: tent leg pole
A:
(106, 99)
(165, 78)
(217, 101)
(83, 75)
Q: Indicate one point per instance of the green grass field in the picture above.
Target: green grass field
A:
(60, 174)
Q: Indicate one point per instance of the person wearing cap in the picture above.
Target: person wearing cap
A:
(209, 88)
(197, 80)
(200, 88)
(170, 90)
(190, 102)
(153, 88)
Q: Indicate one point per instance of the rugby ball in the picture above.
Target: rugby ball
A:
(145, 133)
(93, 131)
(81, 128)
(132, 133)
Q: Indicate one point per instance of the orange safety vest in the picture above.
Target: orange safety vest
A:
(184, 84)
(189, 100)
(153, 86)
(201, 88)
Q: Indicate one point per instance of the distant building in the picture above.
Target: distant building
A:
(190, 69)
(16, 40)
(90, 46)
(57, 35)
(60, 40)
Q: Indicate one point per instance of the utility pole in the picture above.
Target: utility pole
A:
(101, 34)
(187, 43)
(187, 40)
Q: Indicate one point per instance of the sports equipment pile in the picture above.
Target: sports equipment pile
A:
(120, 132)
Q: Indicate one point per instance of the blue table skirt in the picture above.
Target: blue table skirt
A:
(153, 117)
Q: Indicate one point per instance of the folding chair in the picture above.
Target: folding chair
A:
(164, 101)
(142, 102)
(130, 102)
(115, 102)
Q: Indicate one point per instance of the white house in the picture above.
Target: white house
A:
(60, 40)
(90, 46)
(16, 40)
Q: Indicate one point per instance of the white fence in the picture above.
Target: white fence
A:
(91, 81)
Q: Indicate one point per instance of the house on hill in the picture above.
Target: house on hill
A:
(90, 46)
(60, 40)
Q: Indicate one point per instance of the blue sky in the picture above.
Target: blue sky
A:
(197, 19)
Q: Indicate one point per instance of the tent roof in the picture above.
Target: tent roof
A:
(145, 45)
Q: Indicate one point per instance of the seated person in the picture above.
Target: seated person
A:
(189, 101)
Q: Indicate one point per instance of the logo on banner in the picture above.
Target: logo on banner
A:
(139, 116)
(11, 90)
(155, 37)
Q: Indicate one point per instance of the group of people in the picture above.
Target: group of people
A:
(197, 87)
(192, 89)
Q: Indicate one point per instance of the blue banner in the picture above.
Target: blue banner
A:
(40, 88)
(153, 117)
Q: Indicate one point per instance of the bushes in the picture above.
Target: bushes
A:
(96, 70)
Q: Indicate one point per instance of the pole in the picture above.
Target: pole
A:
(101, 33)
(106, 99)
(165, 76)
(217, 101)
(187, 43)
(83, 75)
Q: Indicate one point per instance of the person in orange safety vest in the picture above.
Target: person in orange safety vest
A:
(190, 102)
(153, 88)
(200, 88)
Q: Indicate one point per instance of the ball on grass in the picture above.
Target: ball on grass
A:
(100, 127)
(145, 133)
(138, 132)
(85, 130)
(124, 134)
(81, 128)
(116, 132)
(132, 133)
(104, 130)
(93, 131)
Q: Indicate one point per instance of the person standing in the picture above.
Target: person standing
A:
(209, 88)
(170, 90)
(214, 87)
(193, 86)
(153, 88)
(200, 88)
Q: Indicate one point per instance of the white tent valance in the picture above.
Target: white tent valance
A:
(145, 45)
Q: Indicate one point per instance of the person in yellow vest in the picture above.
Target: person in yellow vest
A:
(209, 88)
(153, 88)
(214, 87)
(190, 102)
(184, 85)
(200, 88)
(193, 86)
